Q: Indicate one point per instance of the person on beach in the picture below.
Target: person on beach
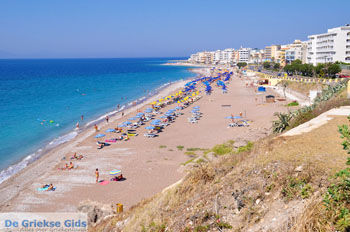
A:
(122, 114)
(97, 174)
(50, 188)
(118, 106)
(71, 166)
(96, 128)
(77, 125)
(107, 118)
(82, 117)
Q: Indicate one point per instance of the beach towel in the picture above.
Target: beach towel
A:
(43, 189)
(104, 182)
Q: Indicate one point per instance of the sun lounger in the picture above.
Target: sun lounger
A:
(192, 120)
(149, 135)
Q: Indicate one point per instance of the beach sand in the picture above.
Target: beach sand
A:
(147, 166)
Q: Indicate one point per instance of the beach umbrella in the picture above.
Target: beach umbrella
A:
(110, 130)
(140, 114)
(127, 123)
(115, 172)
(149, 108)
(100, 135)
(164, 116)
(234, 117)
(149, 127)
(154, 123)
(148, 111)
(178, 108)
(196, 107)
(122, 125)
(133, 118)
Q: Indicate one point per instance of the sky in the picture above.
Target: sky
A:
(158, 28)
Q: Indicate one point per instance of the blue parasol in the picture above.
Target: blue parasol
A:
(100, 135)
(110, 130)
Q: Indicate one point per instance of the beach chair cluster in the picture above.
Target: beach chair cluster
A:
(158, 125)
(196, 115)
(239, 123)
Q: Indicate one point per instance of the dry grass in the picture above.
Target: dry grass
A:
(229, 187)
(304, 88)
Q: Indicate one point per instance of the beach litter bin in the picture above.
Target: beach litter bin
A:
(270, 99)
(119, 208)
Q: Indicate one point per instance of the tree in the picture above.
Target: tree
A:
(241, 64)
(333, 69)
(266, 65)
(288, 69)
(276, 66)
(307, 70)
(319, 69)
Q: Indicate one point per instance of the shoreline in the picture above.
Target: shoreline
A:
(82, 135)
(65, 137)
(147, 167)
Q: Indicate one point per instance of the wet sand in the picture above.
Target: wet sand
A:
(147, 166)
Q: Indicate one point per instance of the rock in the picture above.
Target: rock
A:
(95, 211)
(299, 169)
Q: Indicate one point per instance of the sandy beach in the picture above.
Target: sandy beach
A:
(148, 164)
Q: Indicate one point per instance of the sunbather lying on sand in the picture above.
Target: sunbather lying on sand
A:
(77, 157)
(71, 166)
(50, 188)
(100, 145)
(65, 167)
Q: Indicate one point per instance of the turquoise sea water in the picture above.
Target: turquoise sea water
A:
(35, 92)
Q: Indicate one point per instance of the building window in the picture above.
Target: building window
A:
(347, 58)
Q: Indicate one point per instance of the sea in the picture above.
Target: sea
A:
(41, 100)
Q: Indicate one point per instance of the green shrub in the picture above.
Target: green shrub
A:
(245, 148)
(180, 148)
(222, 149)
(294, 103)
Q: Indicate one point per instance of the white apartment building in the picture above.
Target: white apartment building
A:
(244, 54)
(296, 51)
(329, 47)
(256, 56)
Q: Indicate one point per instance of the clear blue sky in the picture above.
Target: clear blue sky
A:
(157, 28)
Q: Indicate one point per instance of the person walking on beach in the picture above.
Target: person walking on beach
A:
(97, 174)
(96, 128)
(122, 114)
(82, 117)
(77, 125)
(107, 118)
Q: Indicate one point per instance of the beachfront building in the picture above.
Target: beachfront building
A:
(329, 47)
(201, 58)
(256, 56)
(271, 52)
(296, 51)
(244, 54)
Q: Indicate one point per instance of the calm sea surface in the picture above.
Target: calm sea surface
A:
(42, 100)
